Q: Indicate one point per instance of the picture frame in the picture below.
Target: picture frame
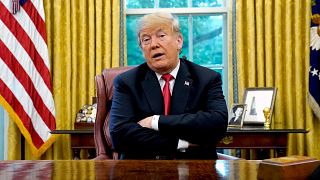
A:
(236, 115)
(257, 99)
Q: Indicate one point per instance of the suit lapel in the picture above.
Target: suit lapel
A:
(181, 90)
(153, 92)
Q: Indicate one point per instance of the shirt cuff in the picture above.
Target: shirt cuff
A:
(154, 122)
(182, 145)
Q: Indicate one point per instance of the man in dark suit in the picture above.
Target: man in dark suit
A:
(146, 123)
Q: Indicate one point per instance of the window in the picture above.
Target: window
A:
(203, 24)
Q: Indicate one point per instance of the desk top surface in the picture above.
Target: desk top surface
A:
(262, 130)
(229, 131)
(129, 169)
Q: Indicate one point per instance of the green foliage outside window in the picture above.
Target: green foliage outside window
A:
(140, 3)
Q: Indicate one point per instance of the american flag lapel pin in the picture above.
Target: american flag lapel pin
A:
(15, 5)
(186, 83)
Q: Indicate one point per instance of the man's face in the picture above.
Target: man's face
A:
(160, 48)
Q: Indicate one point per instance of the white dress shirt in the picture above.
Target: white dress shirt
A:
(182, 145)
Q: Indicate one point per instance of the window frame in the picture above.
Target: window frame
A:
(224, 11)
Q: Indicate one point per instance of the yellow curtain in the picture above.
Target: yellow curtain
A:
(230, 55)
(272, 45)
(83, 39)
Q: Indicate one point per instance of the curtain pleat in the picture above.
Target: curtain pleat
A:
(83, 39)
(230, 57)
(272, 48)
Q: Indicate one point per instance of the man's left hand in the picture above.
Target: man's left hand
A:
(146, 122)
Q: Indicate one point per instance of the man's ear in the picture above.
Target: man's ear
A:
(180, 41)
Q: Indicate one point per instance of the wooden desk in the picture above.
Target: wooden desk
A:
(235, 138)
(129, 169)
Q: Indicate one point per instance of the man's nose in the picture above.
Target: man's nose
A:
(154, 43)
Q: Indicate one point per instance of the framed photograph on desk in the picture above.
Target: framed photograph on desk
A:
(257, 99)
(237, 114)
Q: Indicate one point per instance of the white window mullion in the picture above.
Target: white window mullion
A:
(156, 3)
(225, 3)
(214, 66)
(189, 3)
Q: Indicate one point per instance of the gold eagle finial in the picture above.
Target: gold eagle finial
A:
(315, 18)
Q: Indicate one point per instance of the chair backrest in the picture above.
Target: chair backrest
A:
(104, 85)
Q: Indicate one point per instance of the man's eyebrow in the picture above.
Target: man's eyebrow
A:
(144, 35)
(161, 30)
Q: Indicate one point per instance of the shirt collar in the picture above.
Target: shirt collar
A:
(173, 73)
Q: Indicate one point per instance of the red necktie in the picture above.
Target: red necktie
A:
(166, 93)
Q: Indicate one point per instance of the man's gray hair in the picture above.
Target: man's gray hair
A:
(156, 20)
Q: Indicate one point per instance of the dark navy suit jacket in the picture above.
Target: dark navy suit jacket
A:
(198, 110)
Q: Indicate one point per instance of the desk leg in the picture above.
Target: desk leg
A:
(76, 153)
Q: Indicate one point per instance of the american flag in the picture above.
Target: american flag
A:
(314, 69)
(25, 84)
